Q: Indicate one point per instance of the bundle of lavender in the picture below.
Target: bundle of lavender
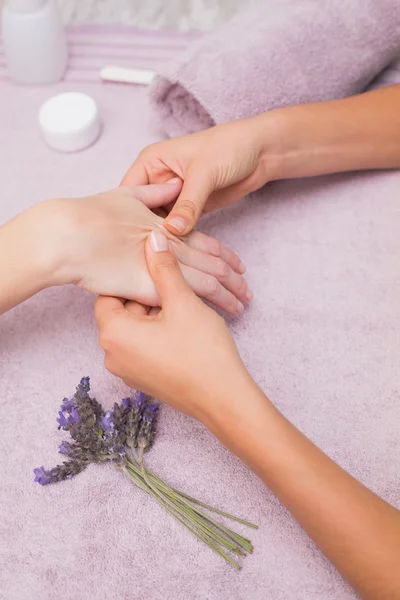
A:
(123, 435)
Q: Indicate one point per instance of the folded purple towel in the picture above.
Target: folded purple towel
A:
(278, 53)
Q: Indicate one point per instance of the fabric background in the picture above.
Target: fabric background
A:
(321, 338)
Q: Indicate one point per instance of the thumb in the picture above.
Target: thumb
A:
(164, 270)
(189, 206)
(155, 195)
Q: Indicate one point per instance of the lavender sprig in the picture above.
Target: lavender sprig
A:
(122, 435)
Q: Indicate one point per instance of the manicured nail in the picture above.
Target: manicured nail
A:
(249, 296)
(158, 241)
(173, 180)
(242, 267)
(240, 307)
(177, 223)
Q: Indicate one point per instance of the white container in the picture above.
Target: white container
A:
(69, 122)
(34, 41)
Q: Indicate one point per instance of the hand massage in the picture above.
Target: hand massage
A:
(245, 273)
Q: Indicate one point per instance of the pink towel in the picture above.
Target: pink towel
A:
(278, 53)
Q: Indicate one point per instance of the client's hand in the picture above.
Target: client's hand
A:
(219, 166)
(183, 354)
(101, 239)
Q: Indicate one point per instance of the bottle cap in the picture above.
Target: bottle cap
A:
(70, 122)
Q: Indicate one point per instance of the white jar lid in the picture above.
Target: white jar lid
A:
(70, 121)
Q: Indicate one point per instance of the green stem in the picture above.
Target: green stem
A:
(236, 538)
(188, 513)
(173, 511)
(176, 496)
(219, 512)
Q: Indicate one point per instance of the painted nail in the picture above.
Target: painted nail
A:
(249, 296)
(242, 267)
(173, 180)
(158, 241)
(177, 223)
(239, 307)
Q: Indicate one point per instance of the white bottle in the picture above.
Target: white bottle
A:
(34, 41)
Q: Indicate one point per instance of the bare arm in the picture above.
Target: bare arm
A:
(361, 132)
(358, 531)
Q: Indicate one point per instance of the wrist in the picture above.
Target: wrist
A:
(44, 226)
(229, 401)
(287, 146)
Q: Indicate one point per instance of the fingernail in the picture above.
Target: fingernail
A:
(240, 307)
(158, 241)
(177, 223)
(173, 180)
(242, 267)
(249, 296)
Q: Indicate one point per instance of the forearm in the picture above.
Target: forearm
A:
(356, 530)
(26, 265)
(361, 132)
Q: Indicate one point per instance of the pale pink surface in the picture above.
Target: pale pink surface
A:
(322, 338)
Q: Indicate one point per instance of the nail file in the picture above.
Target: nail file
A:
(123, 75)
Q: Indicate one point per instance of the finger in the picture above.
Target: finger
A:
(158, 194)
(105, 308)
(217, 267)
(135, 308)
(136, 174)
(209, 288)
(165, 271)
(189, 206)
(208, 244)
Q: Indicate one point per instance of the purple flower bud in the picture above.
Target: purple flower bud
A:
(126, 403)
(62, 421)
(65, 448)
(140, 398)
(67, 404)
(150, 413)
(41, 476)
(84, 387)
(107, 421)
(74, 416)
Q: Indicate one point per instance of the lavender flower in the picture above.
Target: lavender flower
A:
(83, 388)
(65, 448)
(107, 421)
(60, 472)
(147, 430)
(126, 404)
(112, 435)
(67, 404)
(62, 421)
(41, 476)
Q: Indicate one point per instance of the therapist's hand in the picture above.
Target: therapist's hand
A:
(218, 167)
(183, 354)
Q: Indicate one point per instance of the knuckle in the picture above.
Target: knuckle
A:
(148, 151)
(106, 335)
(164, 264)
(242, 288)
(104, 338)
(109, 365)
(188, 208)
(214, 247)
(212, 286)
(222, 269)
